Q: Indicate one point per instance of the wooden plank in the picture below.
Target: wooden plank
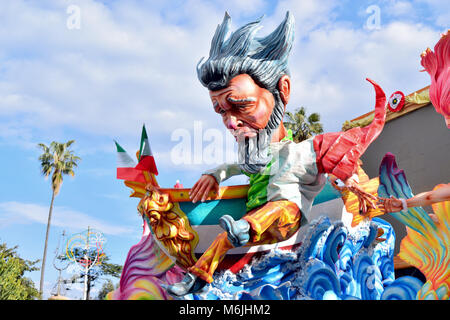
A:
(407, 108)
(230, 192)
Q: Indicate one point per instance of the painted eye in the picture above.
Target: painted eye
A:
(217, 108)
(396, 101)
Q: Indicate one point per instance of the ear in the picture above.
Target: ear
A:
(284, 86)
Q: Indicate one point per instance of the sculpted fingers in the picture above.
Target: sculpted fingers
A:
(196, 189)
(381, 204)
(380, 201)
(372, 197)
(389, 204)
(205, 190)
(199, 191)
(212, 185)
(215, 187)
(362, 204)
(371, 201)
(202, 188)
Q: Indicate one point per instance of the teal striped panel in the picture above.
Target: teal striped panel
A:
(209, 212)
(328, 193)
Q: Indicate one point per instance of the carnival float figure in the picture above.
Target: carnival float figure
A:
(292, 188)
(249, 85)
(437, 64)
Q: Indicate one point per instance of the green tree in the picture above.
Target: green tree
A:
(98, 272)
(106, 288)
(56, 160)
(302, 126)
(13, 284)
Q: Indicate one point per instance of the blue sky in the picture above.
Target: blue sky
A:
(133, 62)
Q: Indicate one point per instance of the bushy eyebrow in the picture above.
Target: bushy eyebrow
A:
(233, 100)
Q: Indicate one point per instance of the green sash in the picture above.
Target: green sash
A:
(257, 193)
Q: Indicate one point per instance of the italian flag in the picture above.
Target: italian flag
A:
(126, 166)
(146, 160)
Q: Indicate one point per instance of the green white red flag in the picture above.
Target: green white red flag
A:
(126, 166)
(146, 160)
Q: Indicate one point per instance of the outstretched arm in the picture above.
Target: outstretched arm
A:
(365, 199)
(338, 153)
(422, 199)
(211, 179)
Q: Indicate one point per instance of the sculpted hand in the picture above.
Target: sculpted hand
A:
(427, 198)
(365, 199)
(390, 204)
(202, 187)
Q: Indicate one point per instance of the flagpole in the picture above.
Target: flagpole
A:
(86, 268)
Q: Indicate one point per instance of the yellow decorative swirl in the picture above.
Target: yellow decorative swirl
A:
(422, 97)
(351, 200)
(170, 225)
(429, 251)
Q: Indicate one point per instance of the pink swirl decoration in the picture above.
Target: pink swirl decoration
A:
(146, 269)
(437, 64)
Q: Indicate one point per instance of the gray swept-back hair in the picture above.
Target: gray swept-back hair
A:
(264, 59)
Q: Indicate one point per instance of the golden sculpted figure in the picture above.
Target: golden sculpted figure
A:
(170, 225)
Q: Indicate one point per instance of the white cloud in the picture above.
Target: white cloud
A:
(118, 69)
(13, 212)
(440, 11)
(400, 8)
(330, 69)
(308, 14)
(133, 62)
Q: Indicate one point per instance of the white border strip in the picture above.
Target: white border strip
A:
(334, 209)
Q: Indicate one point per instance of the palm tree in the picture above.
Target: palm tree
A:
(303, 127)
(58, 161)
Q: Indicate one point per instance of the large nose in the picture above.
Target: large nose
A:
(231, 122)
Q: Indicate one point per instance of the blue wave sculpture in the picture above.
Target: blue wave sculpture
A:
(331, 263)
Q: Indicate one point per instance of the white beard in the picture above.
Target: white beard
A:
(253, 153)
